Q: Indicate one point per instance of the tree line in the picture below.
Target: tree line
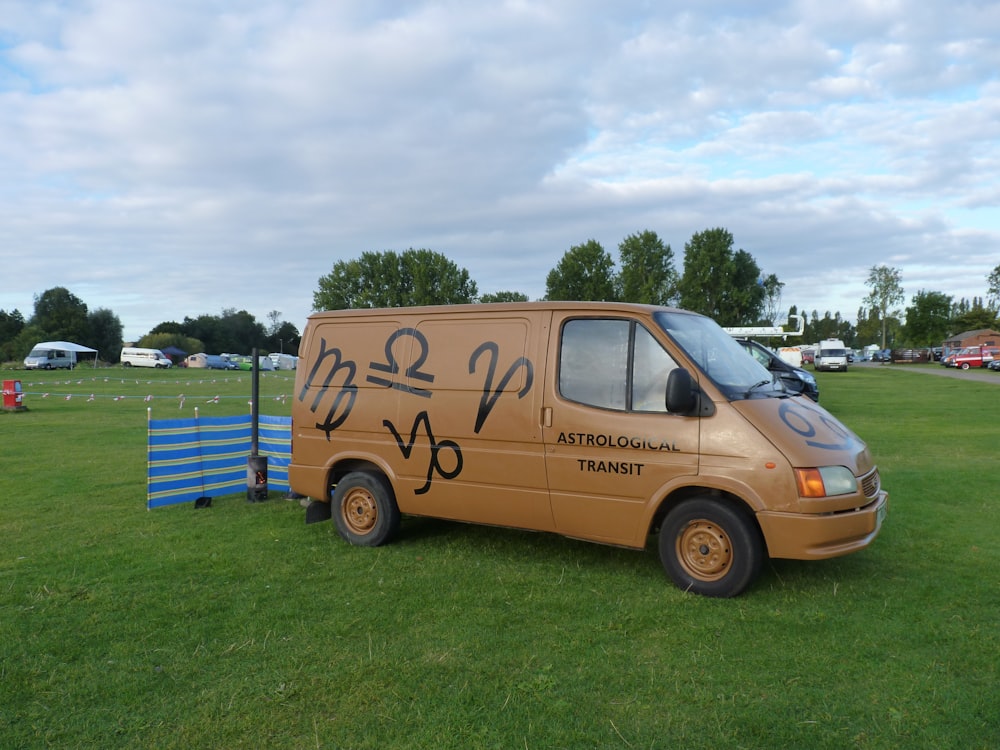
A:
(715, 279)
(931, 318)
(60, 315)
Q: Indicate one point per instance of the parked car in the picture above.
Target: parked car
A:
(794, 379)
(210, 362)
(975, 356)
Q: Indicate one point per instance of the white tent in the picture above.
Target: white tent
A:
(68, 346)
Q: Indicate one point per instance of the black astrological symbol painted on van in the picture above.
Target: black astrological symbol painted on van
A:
(435, 463)
(391, 365)
(802, 422)
(343, 401)
(490, 396)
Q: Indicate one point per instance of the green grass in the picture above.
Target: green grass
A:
(240, 626)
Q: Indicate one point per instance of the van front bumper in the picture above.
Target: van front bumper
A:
(800, 536)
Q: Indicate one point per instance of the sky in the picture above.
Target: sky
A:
(165, 160)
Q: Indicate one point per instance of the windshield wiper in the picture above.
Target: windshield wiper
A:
(755, 386)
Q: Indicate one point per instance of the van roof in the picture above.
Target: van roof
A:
(497, 307)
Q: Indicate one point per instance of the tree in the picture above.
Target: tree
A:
(105, 334)
(282, 336)
(25, 340)
(886, 293)
(928, 319)
(284, 339)
(720, 283)
(972, 317)
(828, 327)
(772, 299)
(647, 272)
(583, 273)
(11, 324)
(236, 332)
(390, 279)
(168, 326)
(62, 315)
(206, 329)
(994, 288)
(503, 296)
(240, 331)
(868, 327)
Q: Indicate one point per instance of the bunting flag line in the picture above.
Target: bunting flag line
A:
(207, 456)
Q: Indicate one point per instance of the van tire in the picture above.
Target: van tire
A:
(364, 509)
(710, 547)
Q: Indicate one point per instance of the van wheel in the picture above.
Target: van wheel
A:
(710, 548)
(365, 510)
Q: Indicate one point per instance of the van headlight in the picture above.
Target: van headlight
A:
(825, 481)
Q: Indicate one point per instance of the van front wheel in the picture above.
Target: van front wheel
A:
(710, 548)
(365, 510)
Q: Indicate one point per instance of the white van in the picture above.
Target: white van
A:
(42, 358)
(134, 356)
(283, 361)
(831, 355)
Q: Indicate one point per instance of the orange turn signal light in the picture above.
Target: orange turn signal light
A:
(810, 483)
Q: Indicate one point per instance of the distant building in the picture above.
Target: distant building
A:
(979, 337)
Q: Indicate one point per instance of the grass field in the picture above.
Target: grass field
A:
(240, 626)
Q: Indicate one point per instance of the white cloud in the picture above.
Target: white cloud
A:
(173, 159)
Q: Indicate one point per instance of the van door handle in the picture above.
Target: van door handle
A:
(546, 416)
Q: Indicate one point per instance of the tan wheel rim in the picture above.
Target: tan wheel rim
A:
(705, 550)
(359, 511)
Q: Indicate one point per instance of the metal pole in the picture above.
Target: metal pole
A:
(254, 403)
(256, 464)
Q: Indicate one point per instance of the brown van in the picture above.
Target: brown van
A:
(599, 421)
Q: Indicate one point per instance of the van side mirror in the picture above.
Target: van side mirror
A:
(683, 396)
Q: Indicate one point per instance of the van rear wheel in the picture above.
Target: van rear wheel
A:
(364, 509)
(710, 547)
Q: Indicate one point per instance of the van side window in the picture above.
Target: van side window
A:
(649, 373)
(593, 362)
(613, 364)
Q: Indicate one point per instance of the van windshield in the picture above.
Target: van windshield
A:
(719, 356)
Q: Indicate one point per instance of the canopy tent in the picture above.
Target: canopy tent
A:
(68, 346)
(174, 353)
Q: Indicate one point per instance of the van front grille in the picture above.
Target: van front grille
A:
(871, 484)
